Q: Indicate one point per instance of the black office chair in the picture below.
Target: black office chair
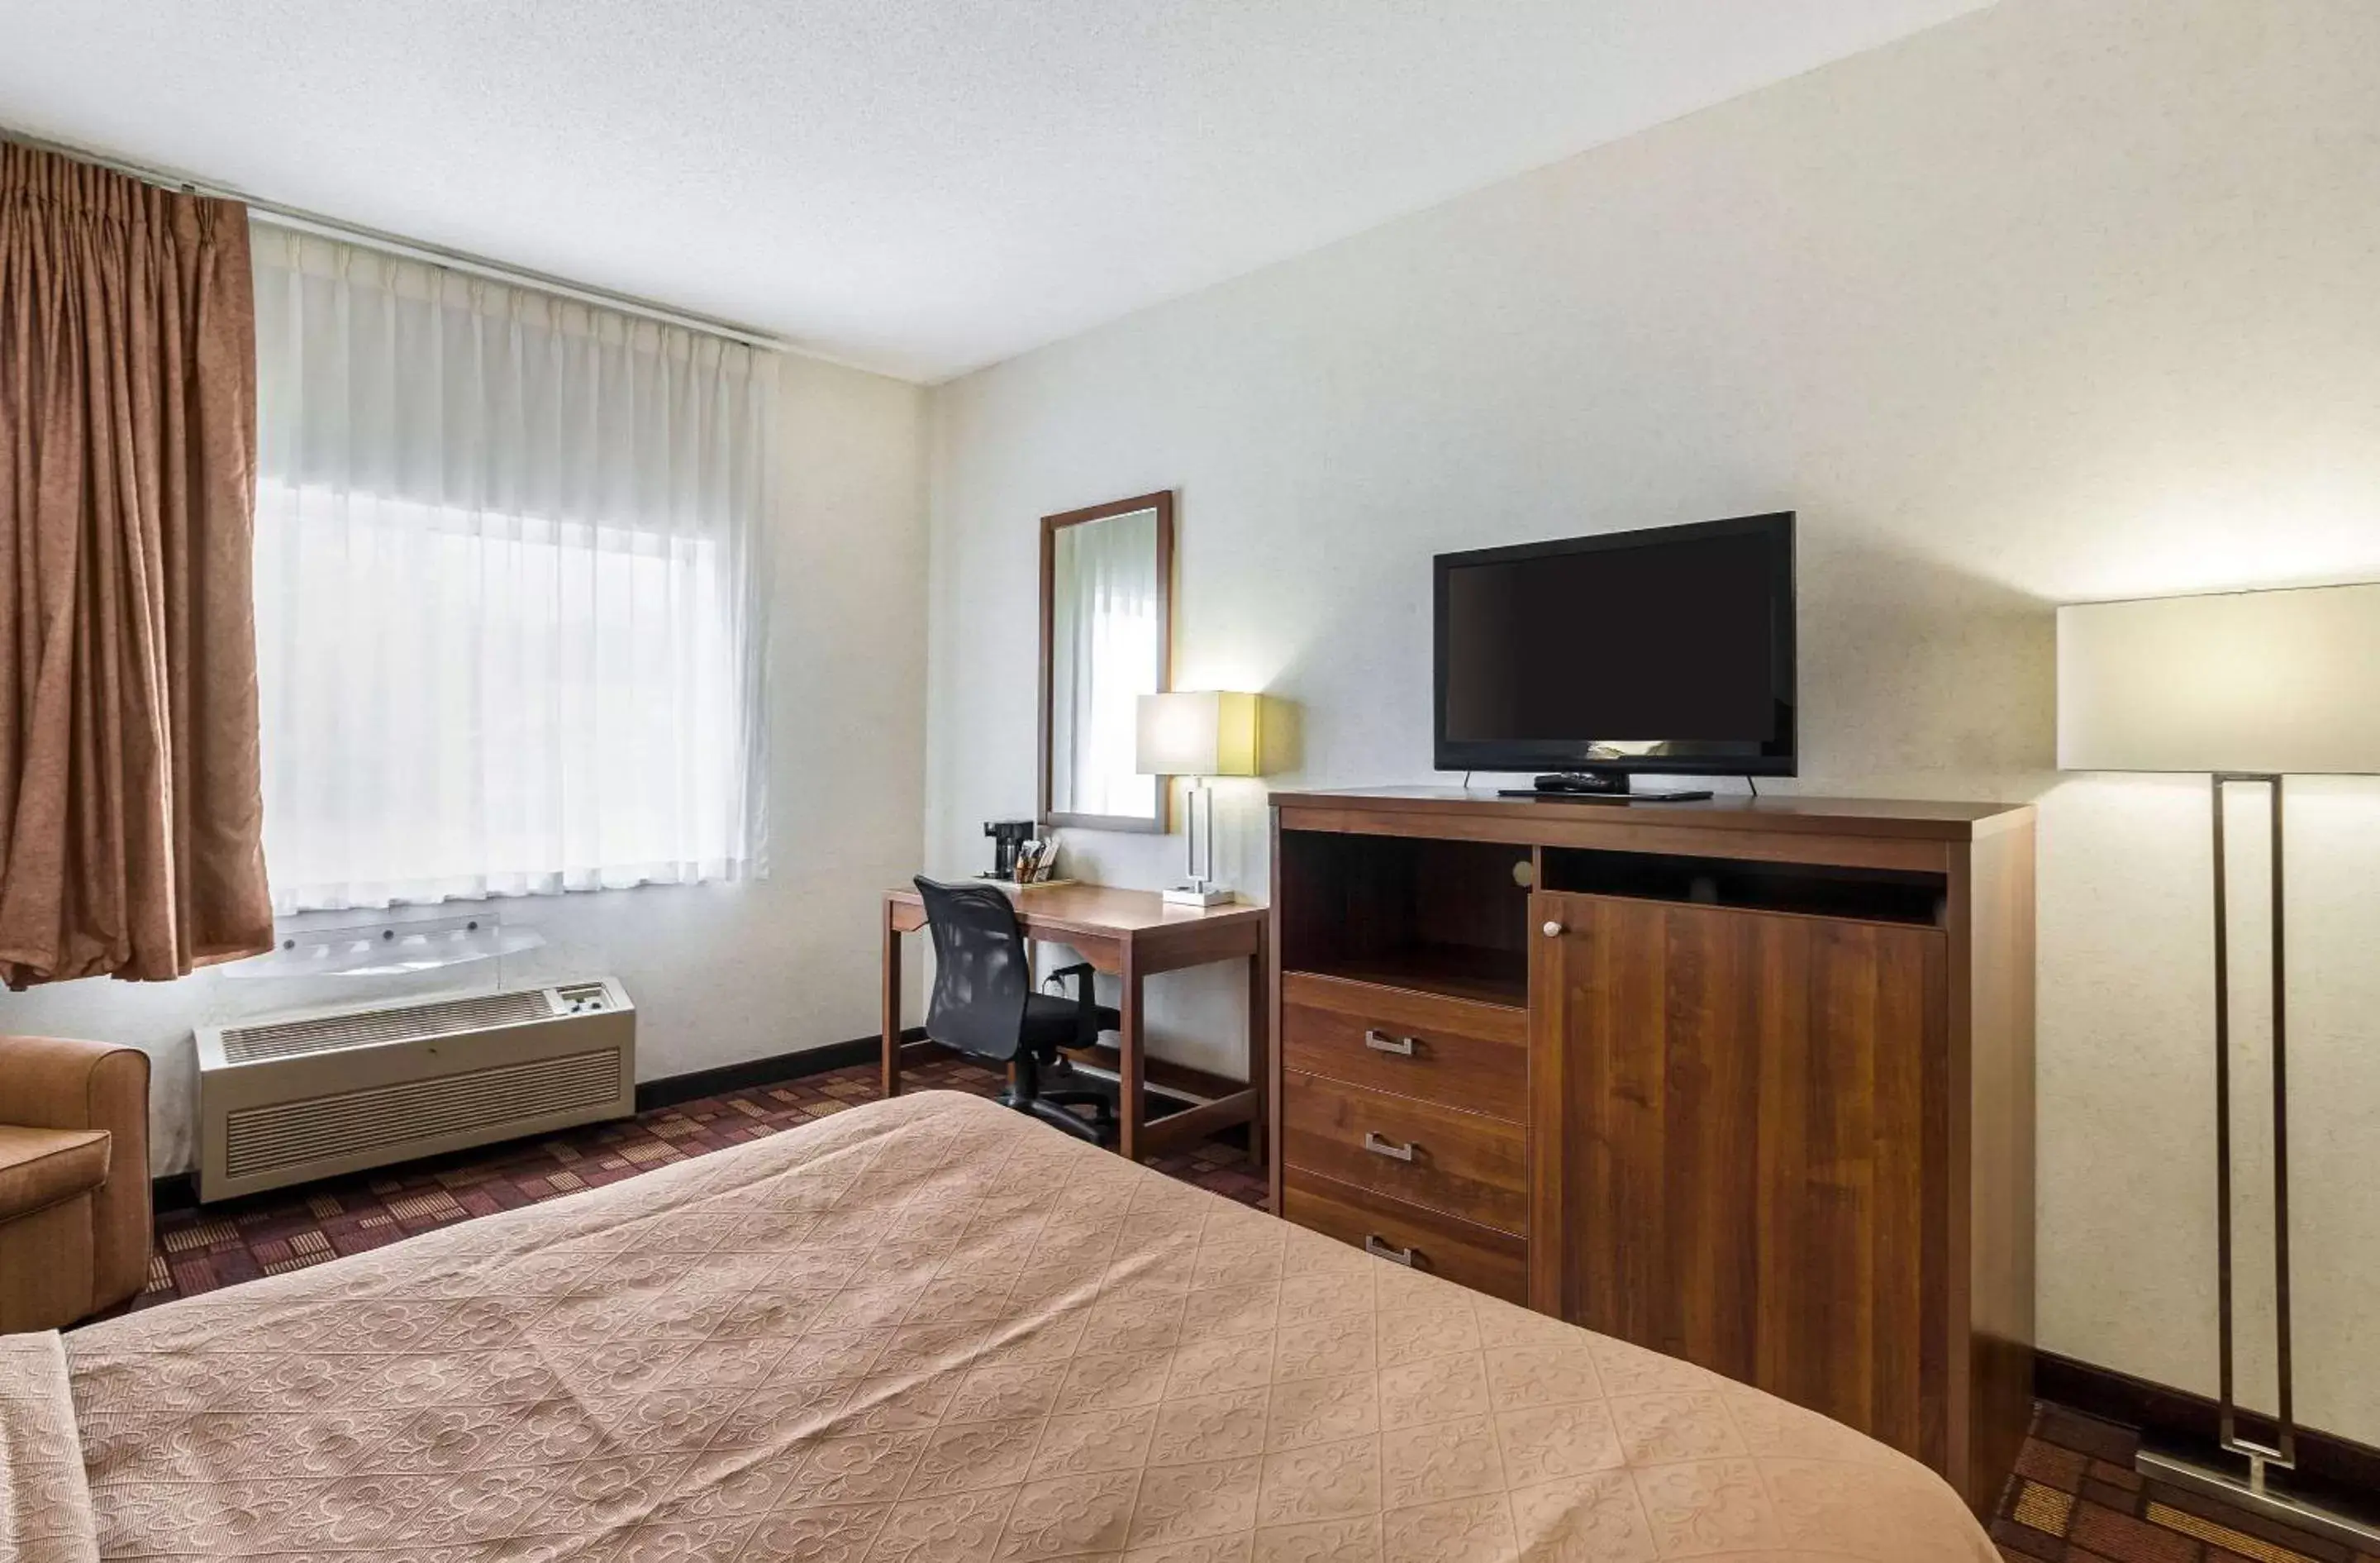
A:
(984, 1005)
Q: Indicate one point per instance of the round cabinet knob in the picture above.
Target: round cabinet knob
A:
(1553, 930)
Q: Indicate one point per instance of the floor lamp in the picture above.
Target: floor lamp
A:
(2248, 687)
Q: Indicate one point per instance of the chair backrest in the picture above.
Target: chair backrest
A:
(982, 974)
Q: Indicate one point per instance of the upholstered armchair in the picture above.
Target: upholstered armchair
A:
(74, 1179)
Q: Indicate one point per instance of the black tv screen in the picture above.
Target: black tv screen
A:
(1664, 649)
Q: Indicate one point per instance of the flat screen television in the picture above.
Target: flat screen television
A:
(1668, 649)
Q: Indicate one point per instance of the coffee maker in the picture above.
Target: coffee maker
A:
(1007, 836)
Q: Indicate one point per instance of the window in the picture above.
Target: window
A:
(508, 635)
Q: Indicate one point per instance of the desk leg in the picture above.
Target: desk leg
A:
(1259, 1050)
(1128, 1061)
(891, 1081)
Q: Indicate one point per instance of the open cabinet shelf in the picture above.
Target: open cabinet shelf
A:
(1438, 917)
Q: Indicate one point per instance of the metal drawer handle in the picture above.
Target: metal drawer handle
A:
(1395, 1152)
(1381, 1042)
(1378, 1247)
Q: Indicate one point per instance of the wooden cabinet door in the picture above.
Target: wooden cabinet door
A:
(1741, 1131)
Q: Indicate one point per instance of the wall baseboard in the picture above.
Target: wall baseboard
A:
(671, 1090)
(2163, 1413)
(178, 1190)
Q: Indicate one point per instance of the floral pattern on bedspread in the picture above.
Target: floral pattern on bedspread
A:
(931, 1329)
(44, 1508)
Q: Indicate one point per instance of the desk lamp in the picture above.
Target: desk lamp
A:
(1197, 734)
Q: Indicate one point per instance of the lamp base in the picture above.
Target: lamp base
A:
(1198, 895)
(2361, 1531)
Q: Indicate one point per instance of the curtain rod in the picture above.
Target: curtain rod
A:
(298, 220)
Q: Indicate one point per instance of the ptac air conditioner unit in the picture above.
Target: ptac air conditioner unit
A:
(287, 1101)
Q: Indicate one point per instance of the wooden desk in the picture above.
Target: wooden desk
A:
(1132, 935)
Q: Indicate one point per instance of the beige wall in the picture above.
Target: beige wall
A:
(2069, 300)
(720, 974)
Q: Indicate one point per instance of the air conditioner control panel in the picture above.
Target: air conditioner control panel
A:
(584, 998)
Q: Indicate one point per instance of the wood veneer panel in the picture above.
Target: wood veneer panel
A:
(1462, 973)
(1746, 1108)
(1460, 1163)
(1104, 911)
(1991, 1010)
(1475, 1056)
(1478, 1257)
(1702, 837)
(1774, 813)
(1798, 1141)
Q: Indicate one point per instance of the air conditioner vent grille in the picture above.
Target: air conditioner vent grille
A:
(288, 1134)
(329, 1033)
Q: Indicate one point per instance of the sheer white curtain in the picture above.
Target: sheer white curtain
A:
(509, 623)
(1103, 652)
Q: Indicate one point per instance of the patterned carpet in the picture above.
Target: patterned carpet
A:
(199, 1249)
(2074, 1498)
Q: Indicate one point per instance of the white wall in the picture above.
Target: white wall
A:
(2068, 300)
(720, 974)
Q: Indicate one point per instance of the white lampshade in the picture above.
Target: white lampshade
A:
(1196, 733)
(2273, 682)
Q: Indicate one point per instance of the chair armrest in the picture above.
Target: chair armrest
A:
(1086, 1009)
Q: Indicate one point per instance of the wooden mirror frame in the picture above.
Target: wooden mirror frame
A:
(1162, 503)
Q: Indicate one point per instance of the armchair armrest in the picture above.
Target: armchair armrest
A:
(50, 1082)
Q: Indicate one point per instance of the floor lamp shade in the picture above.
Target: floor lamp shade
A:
(2249, 687)
(2267, 683)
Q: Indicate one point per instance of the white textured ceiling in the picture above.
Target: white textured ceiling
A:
(917, 186)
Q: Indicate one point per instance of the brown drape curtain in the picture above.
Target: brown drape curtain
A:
(131, 810)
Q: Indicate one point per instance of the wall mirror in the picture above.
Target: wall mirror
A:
(1107, 616)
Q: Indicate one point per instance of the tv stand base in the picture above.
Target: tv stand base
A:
(1596, 786)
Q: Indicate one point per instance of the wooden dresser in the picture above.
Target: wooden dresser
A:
(1746, 1081)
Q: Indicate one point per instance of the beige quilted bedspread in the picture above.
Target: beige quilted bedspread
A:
(931, 1329)
(44, 1508)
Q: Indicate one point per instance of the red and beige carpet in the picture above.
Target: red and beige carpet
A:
(2074, 1498)
(199, 1249)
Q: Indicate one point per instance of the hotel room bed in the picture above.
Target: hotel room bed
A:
(921, 1329)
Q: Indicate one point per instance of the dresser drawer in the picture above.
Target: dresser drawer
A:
(1419, 1151)
(1465, 1054)
(1478, 1257)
